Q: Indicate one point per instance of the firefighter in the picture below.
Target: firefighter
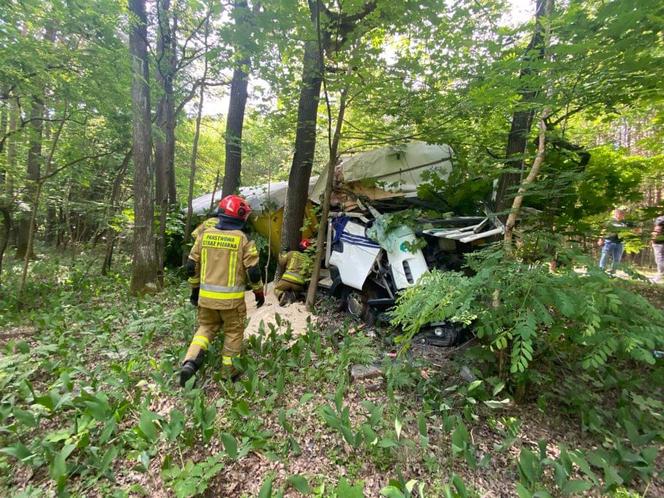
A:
(225, 260)
(296, 270)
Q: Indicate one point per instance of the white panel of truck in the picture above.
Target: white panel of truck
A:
(358, 256)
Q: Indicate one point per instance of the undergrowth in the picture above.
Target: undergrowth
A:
(90, 405)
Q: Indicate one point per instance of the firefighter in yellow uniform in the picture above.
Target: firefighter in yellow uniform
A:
(195, 282)
(296, 271)
(226, 261)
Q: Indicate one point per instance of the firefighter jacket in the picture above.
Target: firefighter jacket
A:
(209, 223)
(297, 267)
(223, 260)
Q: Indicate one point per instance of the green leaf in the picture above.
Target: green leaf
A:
(460, 438)
(300, 483)
(59, 465)
(230, 445)
(392, 492)
(522, 491)
(147, 426)
(346, 490)
(474, 385)
(266, 488)
(25, 417)
(242, 408)
(18, 451)
(306, 397)
(576, 486)
(387, 442)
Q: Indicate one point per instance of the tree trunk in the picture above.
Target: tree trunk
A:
(236, 106)
(51, 225)
(33, 173)
(522, 119)
(322, 226)
(194, 150)
(144, 262)
(4, 235)
(305, 147)
(113, 207)
(11, 149)
(234, 124)
(214, 189)
(164, 140)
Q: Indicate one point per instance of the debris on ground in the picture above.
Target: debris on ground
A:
(295, 313)
(362, 372)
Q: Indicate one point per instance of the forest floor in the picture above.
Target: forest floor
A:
(91, 407)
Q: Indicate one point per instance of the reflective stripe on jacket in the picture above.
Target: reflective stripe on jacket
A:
(223, 257)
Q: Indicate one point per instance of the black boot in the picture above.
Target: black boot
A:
(187, 372)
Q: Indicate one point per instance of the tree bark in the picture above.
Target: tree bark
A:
(322, 226)
(522, 118)
(194, 150)
(144, 262)
(234, 125)
(164, 140)
(236, 107)
(305, 147)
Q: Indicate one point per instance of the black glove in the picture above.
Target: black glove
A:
(260, 298)
(193, 298)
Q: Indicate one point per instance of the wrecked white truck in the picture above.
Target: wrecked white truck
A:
(377, 246)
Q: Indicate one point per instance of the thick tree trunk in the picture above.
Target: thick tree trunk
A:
(236, 106)
(234, 125)
(144, 263)
(305, 147)
(522, 119)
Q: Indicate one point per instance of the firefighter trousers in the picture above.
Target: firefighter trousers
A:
(209, 323)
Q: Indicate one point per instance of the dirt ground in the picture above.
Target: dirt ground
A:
(295, 313)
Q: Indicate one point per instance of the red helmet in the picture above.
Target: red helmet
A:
(235, 207)
(305, 244)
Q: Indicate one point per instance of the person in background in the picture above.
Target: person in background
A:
(296, 271)
(611, 242)
(658, 249)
